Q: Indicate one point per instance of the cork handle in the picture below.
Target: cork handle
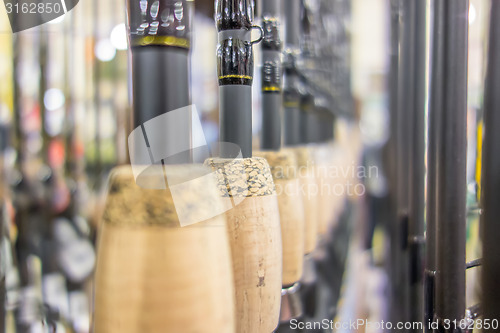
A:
(326, 187)
(255, 239)
(153, 275)
(306, 173)
(291, 209)
(152, 278)
(309, 198)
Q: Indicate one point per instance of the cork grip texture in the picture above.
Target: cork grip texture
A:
(155, 276)
(326, 186)
(309, 184)
(255, 241)
(291, 209)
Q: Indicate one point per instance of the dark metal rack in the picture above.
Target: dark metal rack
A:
(442, 283)
(451, 166)
(490, 232)
(417, 163)
(435, 103)
(446, 210)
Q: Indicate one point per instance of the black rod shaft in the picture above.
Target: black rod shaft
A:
(235, 72)
(160, 75)
(308, 118)
(291, 97)
(272, 98)
(451, 161)
(326, 122)
(308, 112)
(436, 94)
(491, 176)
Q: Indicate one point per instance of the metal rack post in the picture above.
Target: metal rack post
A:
(417, 164)
(451, 166)
(435, 104)
(491, 177)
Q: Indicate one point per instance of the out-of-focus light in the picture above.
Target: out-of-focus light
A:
(57, 20)
(118, 37)
(104, 50)
(53, 99)
(4, 113)
(54, 122)
(472, 14)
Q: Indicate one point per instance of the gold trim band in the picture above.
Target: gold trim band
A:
(234, 76)
(271, 89)
(291, 105)
(161, 41)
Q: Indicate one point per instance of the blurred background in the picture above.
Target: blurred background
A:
(64, 122)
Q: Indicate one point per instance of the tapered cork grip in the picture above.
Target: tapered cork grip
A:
(153, 275)
(291, 207)
(327, 187)
(305, 160)
(248, 191)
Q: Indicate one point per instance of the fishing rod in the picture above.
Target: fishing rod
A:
(303, 114)
(292, 134)
(272, 97)
(235, 72)
(160, 62)
(318, 109)
(308, 117)
(490, 177)
(246, 181)
(167, 264)
(290, 203)
(291, 97)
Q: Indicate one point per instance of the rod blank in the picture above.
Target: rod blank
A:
(272, 98)
(235, 73)
(160, 71)
(291, 97)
